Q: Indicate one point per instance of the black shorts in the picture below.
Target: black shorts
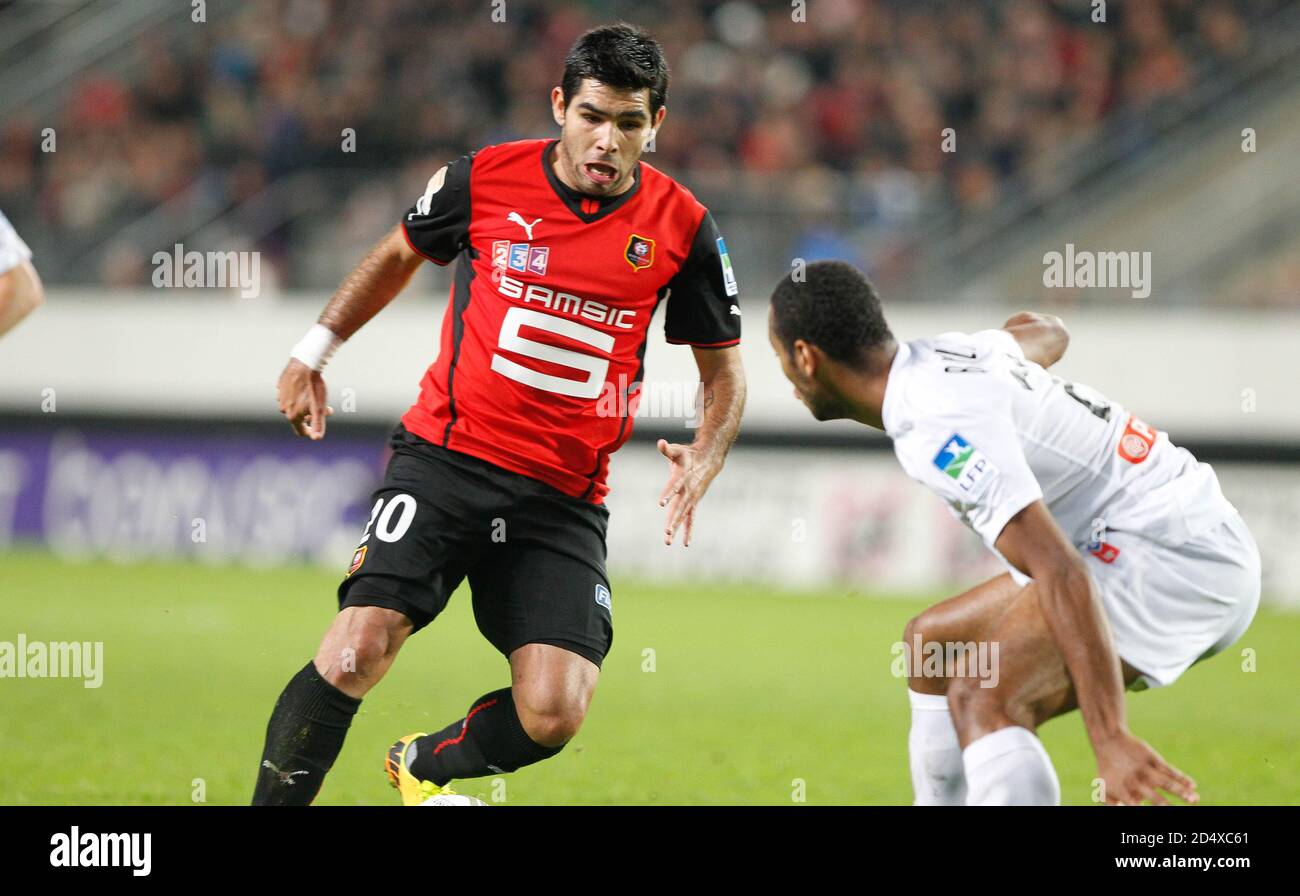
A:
(534, 556)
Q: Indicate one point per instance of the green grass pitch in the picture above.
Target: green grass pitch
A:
(712, 695)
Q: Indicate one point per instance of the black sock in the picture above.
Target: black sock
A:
(303, 739)
(489, 740)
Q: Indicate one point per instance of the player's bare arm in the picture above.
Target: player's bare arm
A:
(371, 285)
(1132, 771)
(21, 293)
(1042, 337)
(693, 467)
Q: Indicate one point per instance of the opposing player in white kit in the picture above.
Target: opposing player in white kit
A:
(1126, 564)
(21, 292)
(20, 286)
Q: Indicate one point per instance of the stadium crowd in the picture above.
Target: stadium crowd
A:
(835, 120)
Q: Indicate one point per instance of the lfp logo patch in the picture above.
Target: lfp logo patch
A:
(963, 463)
(728, 273)
(602, 598)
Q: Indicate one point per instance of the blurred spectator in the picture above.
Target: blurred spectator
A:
(261, 94)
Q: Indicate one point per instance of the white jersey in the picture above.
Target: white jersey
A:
(13, 251)
(992, 432)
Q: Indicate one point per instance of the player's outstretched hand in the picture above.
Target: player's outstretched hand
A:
(301, 393)
(1133, 773)
(689, 475)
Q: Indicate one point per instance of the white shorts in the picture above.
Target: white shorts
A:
(1169, 607)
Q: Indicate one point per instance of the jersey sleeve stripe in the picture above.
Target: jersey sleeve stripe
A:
(725, 344)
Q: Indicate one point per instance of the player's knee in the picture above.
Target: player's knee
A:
(928, 625)
(550, 720)
(914, 638)
(911, 630)
(552, 730)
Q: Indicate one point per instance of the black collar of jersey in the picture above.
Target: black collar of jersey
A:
(574, 200)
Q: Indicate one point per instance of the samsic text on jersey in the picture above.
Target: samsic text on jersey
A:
(550, 308)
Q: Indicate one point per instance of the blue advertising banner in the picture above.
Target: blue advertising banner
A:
(238, 494)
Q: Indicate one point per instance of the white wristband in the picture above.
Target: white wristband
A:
(317, 347)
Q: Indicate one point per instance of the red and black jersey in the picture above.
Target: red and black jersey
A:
(540, 364)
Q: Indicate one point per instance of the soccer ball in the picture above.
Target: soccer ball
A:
(453, 799)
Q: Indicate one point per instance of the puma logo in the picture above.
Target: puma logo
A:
(285, 777)
(528, 228)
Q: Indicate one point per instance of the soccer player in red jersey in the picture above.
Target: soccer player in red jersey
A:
(563, 249)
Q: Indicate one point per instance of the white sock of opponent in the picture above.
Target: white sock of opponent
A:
(934, 753)
(1010, 767)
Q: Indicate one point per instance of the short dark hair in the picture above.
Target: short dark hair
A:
(834, 308)
(621, 56)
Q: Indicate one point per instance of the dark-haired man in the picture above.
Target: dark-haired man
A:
(1126, 564)
(563, 250)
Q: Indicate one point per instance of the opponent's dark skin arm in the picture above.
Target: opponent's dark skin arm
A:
(693, 466)
(1132, 770)
(1042, 337)
(370, 286)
